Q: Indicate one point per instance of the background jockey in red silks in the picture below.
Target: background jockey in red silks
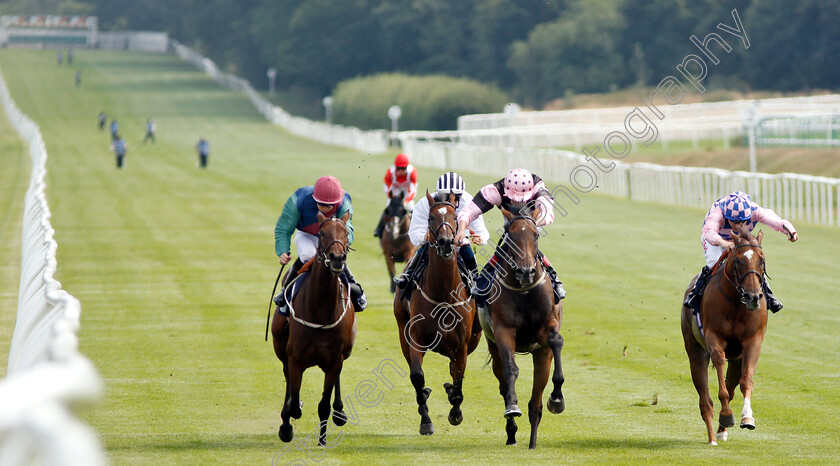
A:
(401, 177)
(716, 237)
(518, 190)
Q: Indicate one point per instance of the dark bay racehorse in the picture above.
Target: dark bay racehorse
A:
(522, 317)
(729, 327)
(440, 316)
(321, 329)
(395, 243)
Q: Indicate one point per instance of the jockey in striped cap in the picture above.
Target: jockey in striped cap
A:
(448, 182)
(716, 237)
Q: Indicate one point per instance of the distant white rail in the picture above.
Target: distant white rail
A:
(373, 142)
(796, 197)
(46, 373)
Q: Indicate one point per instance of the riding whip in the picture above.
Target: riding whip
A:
(271, 301)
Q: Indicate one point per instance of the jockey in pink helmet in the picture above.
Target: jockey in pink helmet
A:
(716, 237)
(300, 217)
(520, 188)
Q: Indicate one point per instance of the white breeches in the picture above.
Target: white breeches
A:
(711, 252)
(306, 244)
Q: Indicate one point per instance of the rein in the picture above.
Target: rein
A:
(740, 280)
(343, 300)
(322, 254)
(537, 282)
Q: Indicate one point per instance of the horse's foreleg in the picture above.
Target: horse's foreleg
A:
(324, 409)
(556, 402)
(733, 375)
(499, 372)
(291, 408)
(457, 366)
(506, 342)
(542, 367)
(339, 418)
(749, 363)
(726, 418)
(418, 380)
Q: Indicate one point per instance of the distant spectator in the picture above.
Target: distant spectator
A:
(70, 57)
(78, 77)
(114, 128)
(102, 119)
(59, 57)
(150, 131)
(119, 147)
(203, 152)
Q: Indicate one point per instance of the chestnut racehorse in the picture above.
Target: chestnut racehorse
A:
(522, 317)
(395, 243)
(729, 327)
(440, 316)
(321, 328)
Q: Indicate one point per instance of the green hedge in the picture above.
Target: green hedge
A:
(431, 103)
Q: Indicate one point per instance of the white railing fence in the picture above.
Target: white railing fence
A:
(796, 197)
(372, 142)
(811, 131)
(46, 373)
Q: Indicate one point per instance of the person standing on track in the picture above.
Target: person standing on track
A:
(716, 237)
(203, 148)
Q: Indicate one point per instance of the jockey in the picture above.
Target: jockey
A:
(301, 213)
(516, 190)
(448, 182)
(399, 178)
(716, 236)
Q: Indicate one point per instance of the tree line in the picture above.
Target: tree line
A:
(536, 50)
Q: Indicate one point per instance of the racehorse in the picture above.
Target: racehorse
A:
(440, 317)
(728, 327)
(522, 317)
(395, 243)
(321, 328)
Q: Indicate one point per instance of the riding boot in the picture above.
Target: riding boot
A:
(412, 275)
(772, 303)
(693, 297)
(280, 299)
(481, 290)
(381, 226)
(559, 292)
(357, 294)
(468, 256)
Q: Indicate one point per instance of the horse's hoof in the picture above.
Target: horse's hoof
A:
(556, 406)
(427, 429)
(339, 418)
(722, 436)
(727, 421)
(511, 442)
(456, 418)
(748, 423)
(512, 411)
(286, 433)
(713, 443)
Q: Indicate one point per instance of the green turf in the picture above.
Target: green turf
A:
(174, 268)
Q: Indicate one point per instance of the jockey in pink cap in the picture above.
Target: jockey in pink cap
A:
(301, 213)
(716, 236)
(519, 189)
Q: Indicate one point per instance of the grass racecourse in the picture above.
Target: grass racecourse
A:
(174, 268)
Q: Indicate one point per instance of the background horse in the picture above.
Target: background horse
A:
(395, 243)
(440, 317)
(321, 330)
(729, 327)
(524, 318)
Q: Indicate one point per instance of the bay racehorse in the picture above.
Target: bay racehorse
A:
(728, 327)
(522, 317)
(395, 242)
(321, 328)
(440, 316)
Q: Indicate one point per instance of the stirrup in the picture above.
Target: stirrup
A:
(774, 304)
(401, 280)
(559, 291)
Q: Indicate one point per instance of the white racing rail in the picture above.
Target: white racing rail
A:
(46, 373)
(796, 197)
(371, 142)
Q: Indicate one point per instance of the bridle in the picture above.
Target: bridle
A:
(739, 279)
(322, 251)
(436, 231)
(509, 223)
